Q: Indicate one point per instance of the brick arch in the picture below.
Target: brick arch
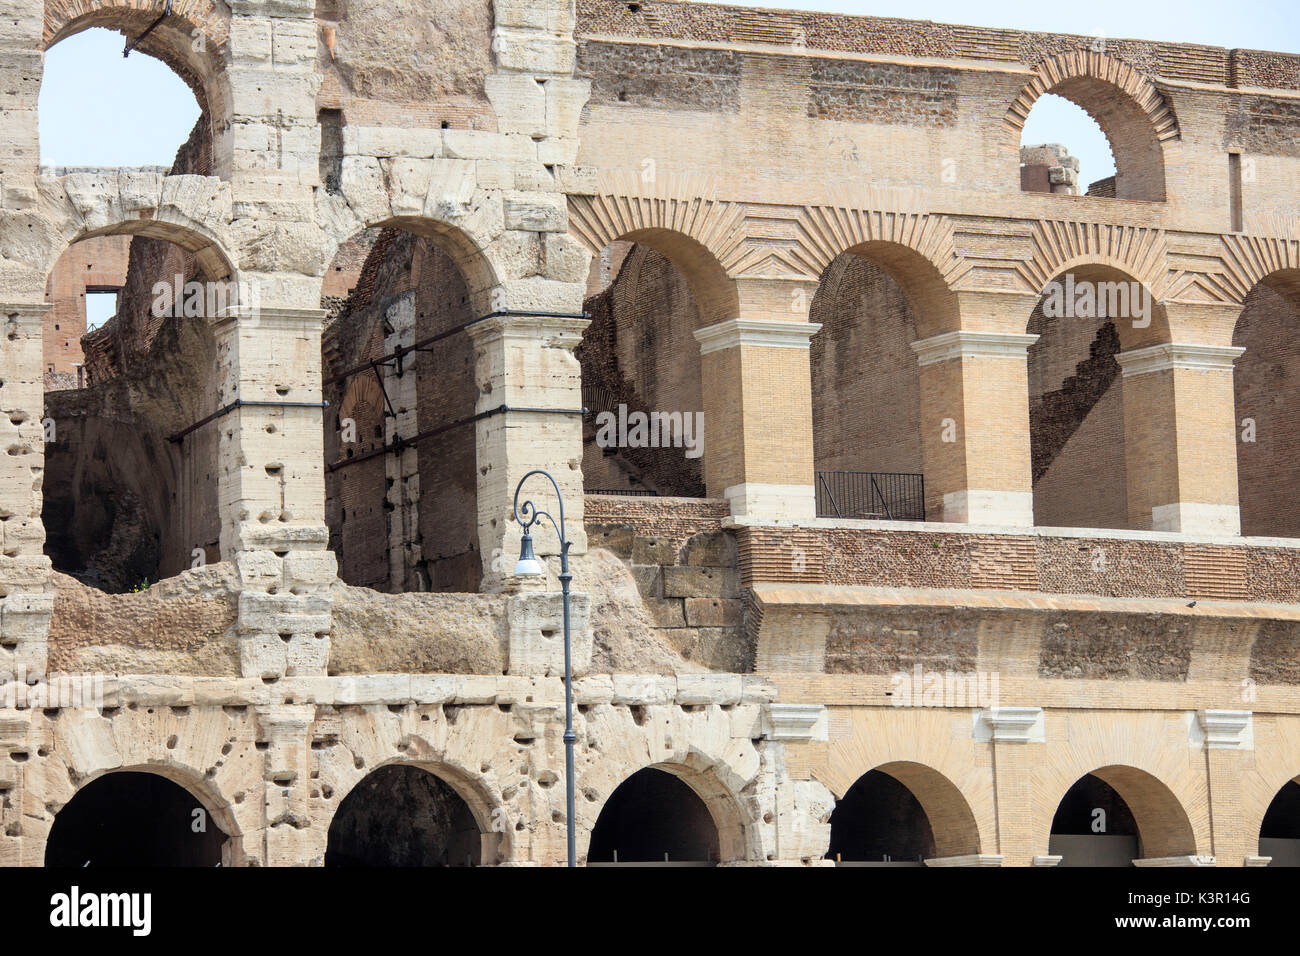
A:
(952, 822)
(1136, 117)
(173, 41)
(1164, 828)
(1097, 268)
(928, 291)
(690, 244)
(1249, 261)
(705, 780)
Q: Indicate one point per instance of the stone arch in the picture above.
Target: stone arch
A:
(193, 782)
(459, 754)
(472, 255)
(462, 785)
(192, 212)
(1164, 827)
(174, 41)
(1136, 117)
(951, 819)
(698, 773)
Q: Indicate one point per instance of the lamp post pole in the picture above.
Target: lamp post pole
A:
(526, 515)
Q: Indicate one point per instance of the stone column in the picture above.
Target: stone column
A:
(975, 427)
(758, 448)
(530, 399)
(1180, 446)
(24, 569)
(402, 467)
(271, 488)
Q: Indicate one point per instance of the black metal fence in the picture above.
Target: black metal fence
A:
(870, 494)
(624, 492)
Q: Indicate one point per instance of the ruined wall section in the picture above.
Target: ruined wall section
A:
(94, 264)
(640, 351)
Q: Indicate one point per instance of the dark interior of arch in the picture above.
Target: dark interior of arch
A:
(124, 506)
(1282, 821)
(654, 817)
(640, 352)
(1075, 812)
(402, 816)
(134, 819)
(879, 820)
(389, 288)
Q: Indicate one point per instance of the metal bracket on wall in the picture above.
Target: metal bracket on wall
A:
(132, 44)
(240, 403)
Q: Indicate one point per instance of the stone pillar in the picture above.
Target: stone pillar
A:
(25, 582)
(1180, 444)
(1012, 730)
(530, 399)
(975, 427)
(271, 488)
(291, 839)
(758, 448)
(1229, 745)
(402, 467)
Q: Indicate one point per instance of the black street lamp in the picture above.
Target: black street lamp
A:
(529, 565)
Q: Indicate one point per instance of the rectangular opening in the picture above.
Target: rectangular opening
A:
(1234, 189)
(101, 305)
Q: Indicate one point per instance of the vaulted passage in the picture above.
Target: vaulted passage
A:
(880, 822)
(653, 817)
(1279, 836)
(134, 819)
(403, 816)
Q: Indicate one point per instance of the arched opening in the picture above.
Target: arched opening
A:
(132, 818)
(1084, 319)
(1115, 815)
(880, 823)
(1134, 117)
(867, 449)
(98, 109)
(642, 373)
(901, 814)
(1064, 151)
(129, 486)
(657, 819)
(170, 90)
(1279, 835)
(400, 435)
(401, 815)
(1266, 386)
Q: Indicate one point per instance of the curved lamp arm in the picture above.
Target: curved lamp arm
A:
(527, 514)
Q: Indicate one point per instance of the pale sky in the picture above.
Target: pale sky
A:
(141, 112)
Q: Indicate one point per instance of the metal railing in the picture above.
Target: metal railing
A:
(624, 492)
(870, 494)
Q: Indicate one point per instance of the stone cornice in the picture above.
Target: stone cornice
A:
(755, 332)
(1175, 355)
(967, 344)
